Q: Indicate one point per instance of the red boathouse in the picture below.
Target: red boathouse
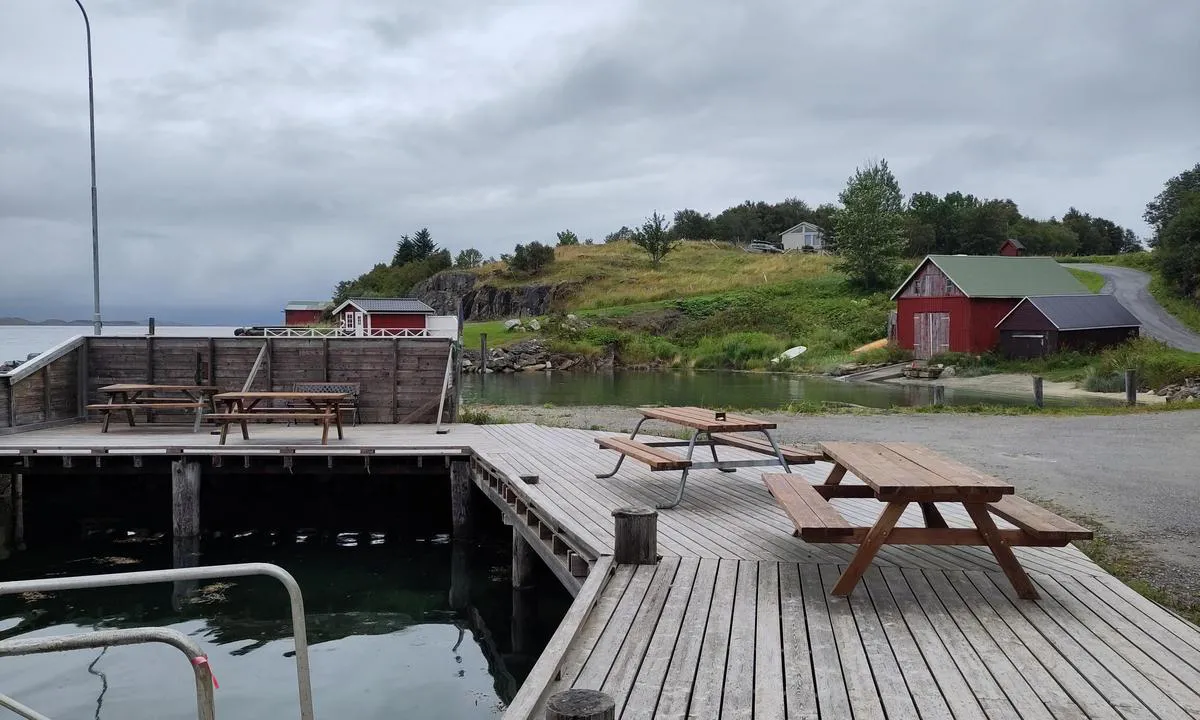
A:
(301, 313)
(381, 316)
(952, 303)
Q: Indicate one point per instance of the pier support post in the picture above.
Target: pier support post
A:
(636, 536)
(6, 516)
(581, 705)
(19, 511)
(523, 559)
(460, 575)
(185, 498)
(1131, 387)
(1038, 398)
(460, 498)
(483, 358)
(185, 553)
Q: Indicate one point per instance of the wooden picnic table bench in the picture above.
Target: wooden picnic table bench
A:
(902, 473)
(711, 428)
(128, 398)
(241, 408)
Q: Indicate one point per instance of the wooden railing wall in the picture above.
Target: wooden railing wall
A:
(400, 378)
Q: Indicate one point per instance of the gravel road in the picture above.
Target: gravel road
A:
(1138, 475)
(1130, 288)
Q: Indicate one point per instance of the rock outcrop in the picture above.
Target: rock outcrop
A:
(533, 355)
(486, 302)
(1186, 391)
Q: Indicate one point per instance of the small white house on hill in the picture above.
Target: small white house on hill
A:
(804, 237)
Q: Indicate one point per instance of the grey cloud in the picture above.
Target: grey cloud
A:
(256, 152)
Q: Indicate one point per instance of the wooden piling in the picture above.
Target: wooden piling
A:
(581, 705)
(1131, 387)
(150, 326)
(523, 560)
(6, 516)
(460, 498)
(185, 553)
(460, 575)
(185, 498)
(636, 540)
(1038, 398)
(19, 511)
(483, 352)
(939, 395)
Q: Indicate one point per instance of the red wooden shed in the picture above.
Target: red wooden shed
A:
(952, 303)
(1012, 247)
(300, 313)
(382, 316)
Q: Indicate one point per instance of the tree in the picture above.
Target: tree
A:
(1168, 203)
(566, 237)
(530, 259)
(869, 227)
(655, 238)
(625, 233)
(405, 251)
(692, 225)
(469, 258)
(423, 243)
(1178, 249)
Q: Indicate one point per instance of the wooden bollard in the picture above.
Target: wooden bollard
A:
(1131, 387)
(636, 536)
(939, 395)
(483, 352)
(581, 705)
(1038, 398)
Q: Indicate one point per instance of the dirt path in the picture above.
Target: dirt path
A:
(1139, 475)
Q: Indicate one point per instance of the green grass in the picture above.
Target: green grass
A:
(1092, 281)
(497, 336)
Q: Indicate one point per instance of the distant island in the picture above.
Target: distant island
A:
(64, 323)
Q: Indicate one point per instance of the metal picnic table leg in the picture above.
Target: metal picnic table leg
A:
(778, 452)
(621, 457)
(683, 478)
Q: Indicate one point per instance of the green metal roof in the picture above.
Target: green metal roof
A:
(997, 276)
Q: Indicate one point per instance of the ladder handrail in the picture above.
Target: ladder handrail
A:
(205, 709)
(145, 577)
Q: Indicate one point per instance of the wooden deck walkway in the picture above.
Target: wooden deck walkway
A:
(736, 620)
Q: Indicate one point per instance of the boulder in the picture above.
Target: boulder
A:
(534, 324)
(513, 325)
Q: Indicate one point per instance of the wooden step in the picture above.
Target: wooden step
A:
(816, 520)
(793, 455)
(655, 458)
(1037, 520)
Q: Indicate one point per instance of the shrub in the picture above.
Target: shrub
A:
(1101, 381)
(530, 259)
(1156, 364)
(739, 351)
(471, 416)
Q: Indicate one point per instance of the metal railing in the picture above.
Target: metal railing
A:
(205, 709)
(84, 582)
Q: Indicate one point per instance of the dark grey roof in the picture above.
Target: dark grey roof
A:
(1082, 312)
(1016, 243)
(388, 305)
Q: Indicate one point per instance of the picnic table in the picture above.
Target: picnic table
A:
(242, 408)
(127, 398)
(710, 428)
(902, 473)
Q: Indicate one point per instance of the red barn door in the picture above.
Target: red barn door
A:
(931, 334)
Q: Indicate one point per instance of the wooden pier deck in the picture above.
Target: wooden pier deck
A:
(736, 620)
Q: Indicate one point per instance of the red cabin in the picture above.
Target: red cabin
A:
(952, 303)
(1012, 248)
(302, 313)
(382, 316)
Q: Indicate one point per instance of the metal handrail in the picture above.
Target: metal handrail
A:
(205, 709)
(299, 632)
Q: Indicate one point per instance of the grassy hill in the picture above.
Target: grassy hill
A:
(707, 306)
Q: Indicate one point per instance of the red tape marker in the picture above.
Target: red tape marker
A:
(203, 660)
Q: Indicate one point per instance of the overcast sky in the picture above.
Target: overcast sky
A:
(257, 151)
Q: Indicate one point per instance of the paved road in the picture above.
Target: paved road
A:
(1135, 474)
(1130, 288)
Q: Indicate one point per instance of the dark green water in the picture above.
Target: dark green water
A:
(386, 640)
(737, 389)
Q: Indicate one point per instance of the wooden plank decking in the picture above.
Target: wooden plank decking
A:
(736, 620)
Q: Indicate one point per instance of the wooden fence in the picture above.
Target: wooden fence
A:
(400, 378)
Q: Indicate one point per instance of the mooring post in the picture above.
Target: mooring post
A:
(581, 705)
(939, 395)
(460, 575)
(185, 553)
(482, 352)
(1131, 387)
(185, 498)
(523, 559)
(150, 326)
(636, 536)
(1038, 398)
(460, 498)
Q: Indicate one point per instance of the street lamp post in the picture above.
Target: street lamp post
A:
(96, 324)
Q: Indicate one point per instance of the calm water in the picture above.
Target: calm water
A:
(17, 341)
(386, 641)
(736, 389)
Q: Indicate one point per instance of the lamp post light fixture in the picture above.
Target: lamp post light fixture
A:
(96, 324)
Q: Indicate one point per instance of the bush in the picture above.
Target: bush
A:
(1106, 382)
(530, 259)
(1156, 364)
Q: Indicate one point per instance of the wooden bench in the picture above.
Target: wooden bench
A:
(150, 404)
(655, 458)
(794, 455)
(348, 405)
(1037, 521)
(816, 520)
(225, 419)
